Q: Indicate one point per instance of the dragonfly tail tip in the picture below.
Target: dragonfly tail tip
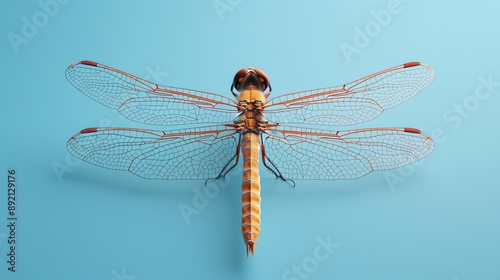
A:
(250, 248)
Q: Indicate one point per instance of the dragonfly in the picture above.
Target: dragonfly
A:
(288, 133)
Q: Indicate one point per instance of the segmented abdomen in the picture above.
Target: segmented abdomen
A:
(250, 190)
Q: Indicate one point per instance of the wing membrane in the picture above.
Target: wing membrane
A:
(356, 102)
(301, 153)
(143, 101)
(201, 153)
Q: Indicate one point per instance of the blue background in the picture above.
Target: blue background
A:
(436, 219)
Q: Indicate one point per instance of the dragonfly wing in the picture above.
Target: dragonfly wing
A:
(356, 102)
(144, 101)
(201, 153)
(301, 153)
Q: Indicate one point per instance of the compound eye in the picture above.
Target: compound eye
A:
(238, 78)
(263, 77)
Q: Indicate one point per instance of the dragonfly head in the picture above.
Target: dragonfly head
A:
(250, 77)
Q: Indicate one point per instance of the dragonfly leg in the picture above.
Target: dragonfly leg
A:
(269, 164)
(228, 166)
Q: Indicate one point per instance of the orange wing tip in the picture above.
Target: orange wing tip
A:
(411, 64)
(89, 130)
(89, 62)
(413, 130)
(250, 247)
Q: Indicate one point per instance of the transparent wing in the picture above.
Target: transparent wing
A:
(301, 153)
(201, 153)
(356, 102)
(147, 102)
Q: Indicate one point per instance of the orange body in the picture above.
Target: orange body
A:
(250, 200)
(252, 123)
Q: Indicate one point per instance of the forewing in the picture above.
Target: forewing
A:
(301, 153)
(200, 153)
(146, 102)
(356, 102)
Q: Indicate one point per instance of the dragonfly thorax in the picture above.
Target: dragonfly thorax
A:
(244, 105)
(251, 118)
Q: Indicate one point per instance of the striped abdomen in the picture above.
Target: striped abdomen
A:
(250, 190)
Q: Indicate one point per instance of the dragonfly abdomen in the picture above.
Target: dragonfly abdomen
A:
(250, 190)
